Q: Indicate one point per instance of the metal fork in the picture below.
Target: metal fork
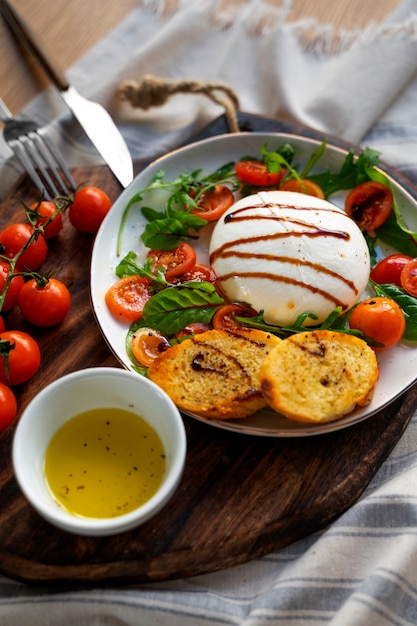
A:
(37, 155)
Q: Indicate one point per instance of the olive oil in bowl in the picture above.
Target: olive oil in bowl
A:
(104, 463)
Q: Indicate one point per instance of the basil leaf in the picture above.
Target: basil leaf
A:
(170, 310)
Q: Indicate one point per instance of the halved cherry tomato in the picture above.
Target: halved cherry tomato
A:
(389, 270)
(16, 284)
(89, 209)
(23, 359)
(14, 237)
(46, 210)
(147, 344)
(408, 277)
(8, 406)
(213, 203)
(224, 317)
(380, 319)
(369, 204)
(174, 262)
(196, 328)
(126, 298)
(200, 272)
(306, 186)
(44, 304)
(256, 173)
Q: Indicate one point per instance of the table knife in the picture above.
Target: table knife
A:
(93, 118)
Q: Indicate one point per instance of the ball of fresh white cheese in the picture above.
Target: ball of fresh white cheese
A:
(285, 253)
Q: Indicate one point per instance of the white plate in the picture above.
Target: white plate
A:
(398, 366)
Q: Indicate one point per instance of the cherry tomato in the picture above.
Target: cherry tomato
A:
(2, 324)
(14, 288)
(24, 357)
(213, 203)
(44, 304)
(388, 270)
(174, 262)
(200, 272)
(369, 204)
(89, 208)
(8, 406)
(15, 237)
(304, 185)
(379, 318)
(126, 298)
(256, 173)
(147, 344)
(408, 277)
(46, 210)
(224, 317)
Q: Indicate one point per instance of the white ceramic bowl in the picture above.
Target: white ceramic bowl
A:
(82, 391)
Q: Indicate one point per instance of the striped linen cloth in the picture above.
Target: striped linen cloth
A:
(362, 569)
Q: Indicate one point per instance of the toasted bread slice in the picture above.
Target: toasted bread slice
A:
(216, 373)
(319, 376)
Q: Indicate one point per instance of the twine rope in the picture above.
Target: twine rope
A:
(153, 91)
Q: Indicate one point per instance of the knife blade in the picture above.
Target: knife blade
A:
(93, 117)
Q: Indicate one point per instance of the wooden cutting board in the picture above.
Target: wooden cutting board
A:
(241, 497)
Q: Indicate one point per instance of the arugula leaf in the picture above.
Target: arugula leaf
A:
(129, 267)
(173, 308)
(314, 158)
(334, 321)
(276, 159)
(352, 172)
(167, 228)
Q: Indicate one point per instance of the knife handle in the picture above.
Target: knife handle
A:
(25, 35)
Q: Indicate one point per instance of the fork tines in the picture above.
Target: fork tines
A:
(43, 163)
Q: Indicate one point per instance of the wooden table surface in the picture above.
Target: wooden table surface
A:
(70, 28)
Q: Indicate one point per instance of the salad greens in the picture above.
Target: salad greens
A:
(166, 229)
(172, 307)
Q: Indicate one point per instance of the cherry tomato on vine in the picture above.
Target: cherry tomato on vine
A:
(409, 277)
(175, 262)
(126, 298)
(23, 359)
(369, 204)
(380, 319)
(224, 317)
(45, 211)
(256, 173)
(147, 344)
(44, 302)
(89, 208)
(8, 406)
(12, 294)
(213, 203)
(389, 270)
(14, 237)
(306, 186)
